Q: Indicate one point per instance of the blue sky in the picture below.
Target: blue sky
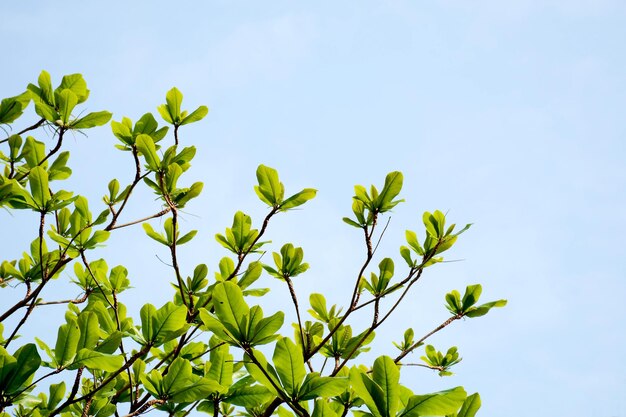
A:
(508, 115)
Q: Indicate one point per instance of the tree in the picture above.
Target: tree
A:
(204, 349)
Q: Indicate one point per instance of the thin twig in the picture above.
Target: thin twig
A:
(355, 291)
(419, 342)
(145, 407)
(154, 216)
(294, 298)
(116, 214)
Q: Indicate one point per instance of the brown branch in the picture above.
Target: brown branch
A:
(434, 368)
(79, 300)
(419, 342)
(138, 177)
(294, 298)
(355, 292)
(145, 407)
(54, 150)
(243, 255)
(194, 405)
(104, 383)
(93, 277)
(373, 326)
(33, 127)
(87, 407)
(31, 307)
(154, 216)
(276, 402)
(21, 132)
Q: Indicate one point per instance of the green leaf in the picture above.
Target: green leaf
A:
(94, 119)
(195, 116)
(471, 296)
(11, 109)
(231, 308)
(221, 370)
(89, 330)
(298, 199)
(27, 363)
(269, 378)
(253, 272)
(289, 364)
(483, 309)
(146, 147)
(270, 190)
(248, 396)
(181, 385)
(186, 237)
(391, 189)
(39, 188)
(111, 343)
(265, 331)
(321, 386)
(368, 391)
(174, 99)
(8, 365)
(352, 222)
(159, 326)
(76, 83)
(66, 100)
(154, 235)
(386, 375)
(322, 408)
(57, 392)
(97, 360)
(45, 85)
(470, 407)
(187, 194)
(67, 343)
(435, 404)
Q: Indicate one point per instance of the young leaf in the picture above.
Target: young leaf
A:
(174, 98)
(298, 199)
(483, 309)
(470, 407)
(392, 187)
(146, 147)
(436, 404)
(66, 100)
(471, 296)
(94, 119)
(270, 190)
(196, 115)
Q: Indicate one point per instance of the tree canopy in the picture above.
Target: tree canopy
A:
(215, 347)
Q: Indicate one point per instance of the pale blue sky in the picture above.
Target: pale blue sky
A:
(506, 114)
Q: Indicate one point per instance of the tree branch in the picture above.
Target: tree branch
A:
(419, 342)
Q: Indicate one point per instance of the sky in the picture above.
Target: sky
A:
(507, 115)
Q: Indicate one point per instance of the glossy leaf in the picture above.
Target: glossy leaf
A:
(436, 404)
(94, 119)
(289, 365)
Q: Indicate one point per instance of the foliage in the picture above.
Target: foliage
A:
(203, 350)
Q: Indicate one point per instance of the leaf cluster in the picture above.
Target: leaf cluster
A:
(205, 349)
